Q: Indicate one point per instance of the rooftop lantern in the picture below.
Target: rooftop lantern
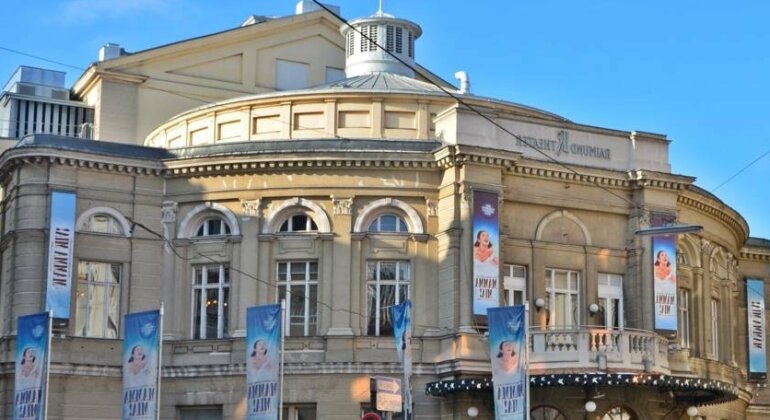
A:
(395, 36)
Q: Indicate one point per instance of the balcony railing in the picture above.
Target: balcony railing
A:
(591, 348)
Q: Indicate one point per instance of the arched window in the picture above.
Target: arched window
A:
(212, 226)
(102, 223)
(299, 223)
(544, 412)
(619, 413)
(388, 223)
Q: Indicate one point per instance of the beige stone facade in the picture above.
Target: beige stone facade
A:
(263, 163)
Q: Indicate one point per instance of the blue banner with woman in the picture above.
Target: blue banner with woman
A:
(664, 273)
(263, 362)
(33, 340)
(507, 341)
(486, 248)
(141, 365)
(402, 332)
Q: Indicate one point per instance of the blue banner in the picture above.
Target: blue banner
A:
(486, 249)
(61, 238)
(141, 365)
(263, 361)
(32, 351)
(507, 341)
(402, 332)
(755, 300)
(664, 273)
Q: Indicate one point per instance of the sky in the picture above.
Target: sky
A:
(696, 71)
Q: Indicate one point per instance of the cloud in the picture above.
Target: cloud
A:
(86, 11)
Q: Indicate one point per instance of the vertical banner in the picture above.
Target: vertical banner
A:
(507, 341)
(61, 237)
(141, 365)
(664, 274)
(402, 331)
(486, 245)
(263, 344)
(33, 344)
(755, 300)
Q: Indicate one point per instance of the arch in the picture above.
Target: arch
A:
(619, 412)
(559, 214)
(546, 412)
(718, 262)
(690, 245)
(412, 219)
(194, 217)
(272, 223)
(125, 225)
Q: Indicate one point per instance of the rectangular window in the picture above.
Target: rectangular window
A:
(298, 284)
(97, 312)
(399, 40)
(351, 43)
(387, 285)
(372, 37)
(364, 40)
(211, 296)
(562, 298)
(611, 300)
(299, 412)
(514, 284)
(684, 317)
(715, 328)
(411, 45)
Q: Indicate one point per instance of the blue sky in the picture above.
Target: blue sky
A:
(697, 71)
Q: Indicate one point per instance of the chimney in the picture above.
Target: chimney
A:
(307, 6)
(110, 51)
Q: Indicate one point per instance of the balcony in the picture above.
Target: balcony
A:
(592, 349)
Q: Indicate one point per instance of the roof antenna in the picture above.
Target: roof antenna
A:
(379, 12)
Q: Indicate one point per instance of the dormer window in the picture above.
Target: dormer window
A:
(388, 223)
(299, 223)
(213, 226)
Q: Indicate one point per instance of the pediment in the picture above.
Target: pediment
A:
(226, 69)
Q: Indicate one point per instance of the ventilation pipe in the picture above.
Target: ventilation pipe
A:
(465, 82)
(110, 51)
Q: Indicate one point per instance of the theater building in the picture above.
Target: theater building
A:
(291, 157)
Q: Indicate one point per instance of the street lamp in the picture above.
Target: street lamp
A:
(670, 229)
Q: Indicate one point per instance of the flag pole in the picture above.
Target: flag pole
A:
(283, 335)
(47, 365)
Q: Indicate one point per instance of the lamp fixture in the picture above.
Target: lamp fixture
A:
(539, 303)
(473, 411)
(593, 308)
(590, 406)
(692, 411)
(670, 229)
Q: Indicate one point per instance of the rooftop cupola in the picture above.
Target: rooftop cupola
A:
(394, 35)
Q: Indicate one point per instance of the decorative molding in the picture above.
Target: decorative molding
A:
(250, 208)
(412, 219)
(432, 207)
(740, 229)
(571, 176)
(342, 206)
(199, 212)
(125, 226)
(318, 214)
(169, 210)
(314, 162)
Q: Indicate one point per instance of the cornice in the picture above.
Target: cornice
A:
(754, 254)
(17, 157)
(729, 217)
(563, 175)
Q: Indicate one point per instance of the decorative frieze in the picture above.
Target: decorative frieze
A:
(250, 208)
(342, 206)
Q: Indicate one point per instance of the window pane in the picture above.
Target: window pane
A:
(313, 308)
(215, 227)
(197, 313)
(371, 298)
(387, 299)
(113, 312)
(212, 312)
(560, 280)
(298, 271)
(403, 271)
(402, 226)
(212, 274)
(387, 270)
(198, 276)
(297, 311)
(225, 311)
(282, 271)
(299, 222)
(387, 223)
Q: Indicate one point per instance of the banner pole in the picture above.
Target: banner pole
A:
(160, 358)
(283, 335)
(48, 365)
(526, 355)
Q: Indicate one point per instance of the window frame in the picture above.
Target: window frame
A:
(513, 283)
(608, 293)
(377, 283)
(306, 284)
(113, 223)
(574, 298)
(205, 224)
(89, 285)
(289, 222)
(684, 317)
(715, 328)
(399, 225)
(223, 296)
